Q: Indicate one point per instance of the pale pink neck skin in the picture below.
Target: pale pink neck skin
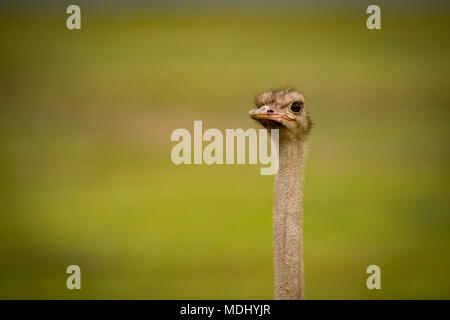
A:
(287, 222)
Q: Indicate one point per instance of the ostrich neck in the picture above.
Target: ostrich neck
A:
(287, 224)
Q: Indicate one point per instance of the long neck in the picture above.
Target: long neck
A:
(287, 223)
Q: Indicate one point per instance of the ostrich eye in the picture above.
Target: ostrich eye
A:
(296, 106)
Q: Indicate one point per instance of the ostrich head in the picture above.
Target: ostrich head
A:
(284, 110)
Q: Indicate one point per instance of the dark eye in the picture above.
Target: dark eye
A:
(296, 106)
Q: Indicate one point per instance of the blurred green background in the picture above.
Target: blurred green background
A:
(86, 176)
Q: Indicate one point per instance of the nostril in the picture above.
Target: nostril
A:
(270, 111)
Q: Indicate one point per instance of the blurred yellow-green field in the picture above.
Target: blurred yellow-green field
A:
(86, 176)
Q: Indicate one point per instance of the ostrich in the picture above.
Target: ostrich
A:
(285, 110)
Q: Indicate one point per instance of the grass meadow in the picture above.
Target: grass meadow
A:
(86, 175)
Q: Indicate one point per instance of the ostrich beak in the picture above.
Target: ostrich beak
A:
(268, 113)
